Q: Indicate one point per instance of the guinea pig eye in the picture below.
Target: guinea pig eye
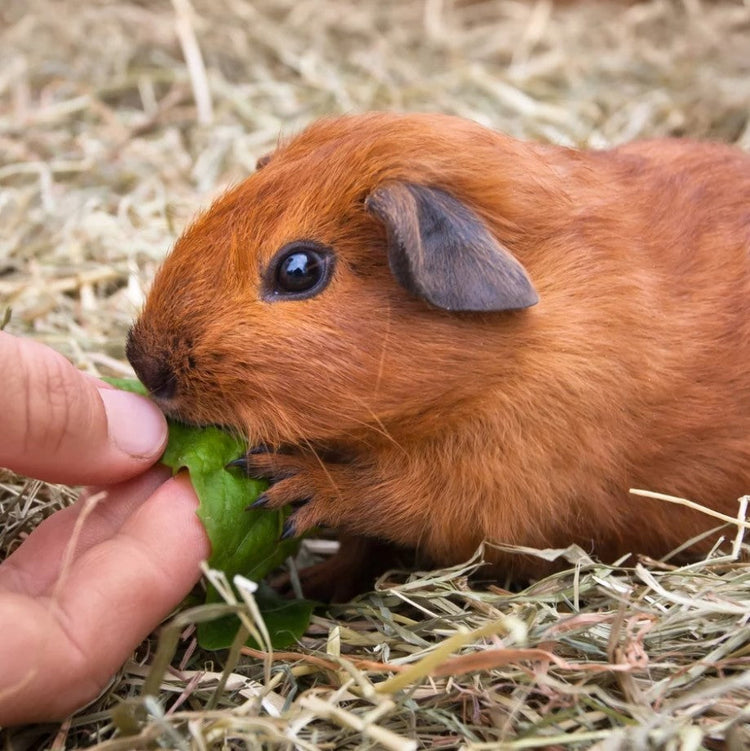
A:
(300, 270)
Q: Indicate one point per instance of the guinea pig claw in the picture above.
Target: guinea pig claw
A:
(240, 463)
(260, 502)
(244, 464)
(289, 529)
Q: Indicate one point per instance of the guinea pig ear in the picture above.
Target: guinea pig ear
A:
(441, 251)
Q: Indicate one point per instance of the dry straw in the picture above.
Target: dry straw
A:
(119, 119)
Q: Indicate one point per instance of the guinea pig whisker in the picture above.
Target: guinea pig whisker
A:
(380, 428)
(280, 422)
(323, 466)
(383, 350)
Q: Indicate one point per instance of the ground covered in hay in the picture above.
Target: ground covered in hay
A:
(120, 119)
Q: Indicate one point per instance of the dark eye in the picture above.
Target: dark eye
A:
(301, 270)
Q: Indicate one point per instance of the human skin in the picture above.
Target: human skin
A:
(94, 579)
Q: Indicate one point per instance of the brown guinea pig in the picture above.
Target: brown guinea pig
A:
(439, 335)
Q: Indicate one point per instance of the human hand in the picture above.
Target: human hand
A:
(60, 425)
(94, 579)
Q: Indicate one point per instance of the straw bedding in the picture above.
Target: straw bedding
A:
(118, 120)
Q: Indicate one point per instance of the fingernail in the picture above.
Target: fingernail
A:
(135, 424)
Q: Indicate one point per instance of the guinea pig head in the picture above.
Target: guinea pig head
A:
(338, 290)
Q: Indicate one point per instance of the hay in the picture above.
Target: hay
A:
(118, 120)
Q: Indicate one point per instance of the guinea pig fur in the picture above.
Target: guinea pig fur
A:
(435, 335)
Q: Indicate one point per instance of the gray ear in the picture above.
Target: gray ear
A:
(441, 251)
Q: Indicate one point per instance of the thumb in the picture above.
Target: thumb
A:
(59, 425)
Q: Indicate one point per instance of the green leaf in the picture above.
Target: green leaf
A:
(128, 384)
(286, 620)
(242, 542)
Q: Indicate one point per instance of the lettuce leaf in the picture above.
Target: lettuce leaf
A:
(242, 542)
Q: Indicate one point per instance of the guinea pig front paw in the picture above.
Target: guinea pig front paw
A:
(298, 479)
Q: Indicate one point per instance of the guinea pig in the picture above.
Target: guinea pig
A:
(433, 334)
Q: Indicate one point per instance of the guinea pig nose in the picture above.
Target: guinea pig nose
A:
(160, 382)
(156, 376)
(154, 371)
